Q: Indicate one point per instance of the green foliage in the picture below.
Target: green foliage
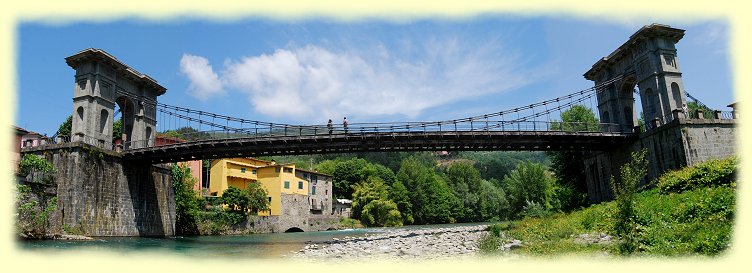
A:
(186, 133)
(32, 213)
(187, 203)
(492, 202)
(237, 200)
(694, 221)
(327, 166)
(710, 173)
(528, 183)
(432, 199)
(489, 243)
(66, 127)
(381, 213)
(257, 198)
(216, 221)
(568, 166)
(465, 182)
(399, 195)
(32, 163)
(568, 198)
(495, 164)
(370, 190)
(631, 174)
(347, 174)
(697, 221)
(577, 118)
(350, 223)
(693, 107)
(117, 129)
(534, 209)
(76, 230)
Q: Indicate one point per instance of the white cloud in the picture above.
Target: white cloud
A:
(204, 82)
(312, 84)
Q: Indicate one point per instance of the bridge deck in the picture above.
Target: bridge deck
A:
(379, 142)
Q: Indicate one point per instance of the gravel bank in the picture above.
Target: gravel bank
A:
(428, 243)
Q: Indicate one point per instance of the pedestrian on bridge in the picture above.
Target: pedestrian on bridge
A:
(344, 124)
(685, 110)
(329, 126)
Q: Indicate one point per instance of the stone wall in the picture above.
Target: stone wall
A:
(682, 142)
(295, 212)
(102, 195)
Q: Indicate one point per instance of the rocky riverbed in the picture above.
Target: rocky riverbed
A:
(428, 243)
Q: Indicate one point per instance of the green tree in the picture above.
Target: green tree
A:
(706, 112)
(186, 133)
(492, 202)
(348, 173)
(66, 127)
(569, 166)
(187, 203)
(432, 199)
(117, 129)
(465, 182)
(528, 183)
(381, 213)
(399, 195)
(631, 175)
(327, 167)
(577, 118)
(32, 211)
(372, 189)
(237, 200)
(257, 198)
(497, 164)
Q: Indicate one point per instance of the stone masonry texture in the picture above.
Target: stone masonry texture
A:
(683, 142)
(103, 195)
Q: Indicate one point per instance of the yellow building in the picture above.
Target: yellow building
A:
(276, 179)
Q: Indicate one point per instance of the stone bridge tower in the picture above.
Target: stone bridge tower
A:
(101, 82)
(649, 60)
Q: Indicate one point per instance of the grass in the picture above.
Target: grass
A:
(691, 212)
(698, 221)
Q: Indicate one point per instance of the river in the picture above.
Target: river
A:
(259, 246)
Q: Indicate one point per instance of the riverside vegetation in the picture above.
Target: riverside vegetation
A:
(688, 212)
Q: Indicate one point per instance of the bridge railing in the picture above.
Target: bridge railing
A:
(390, 129)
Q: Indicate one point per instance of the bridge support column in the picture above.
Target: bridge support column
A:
(102, 195)
(685, 142)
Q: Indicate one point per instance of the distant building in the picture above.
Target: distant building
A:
(319, 191)
(298, 199)
(17, 142)
(32, 139)
(342, 207)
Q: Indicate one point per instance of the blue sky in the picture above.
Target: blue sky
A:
(306, 71)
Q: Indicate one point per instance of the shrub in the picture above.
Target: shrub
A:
(489, 243)
(381, 213)
(710, 173)
(534, 209)
(350, 223)
(631, 174)
(32, 163)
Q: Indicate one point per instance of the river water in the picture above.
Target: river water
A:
(258, 246)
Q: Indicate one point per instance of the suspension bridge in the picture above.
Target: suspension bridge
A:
(532, 127)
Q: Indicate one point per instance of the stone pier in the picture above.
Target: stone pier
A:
(100, 194)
